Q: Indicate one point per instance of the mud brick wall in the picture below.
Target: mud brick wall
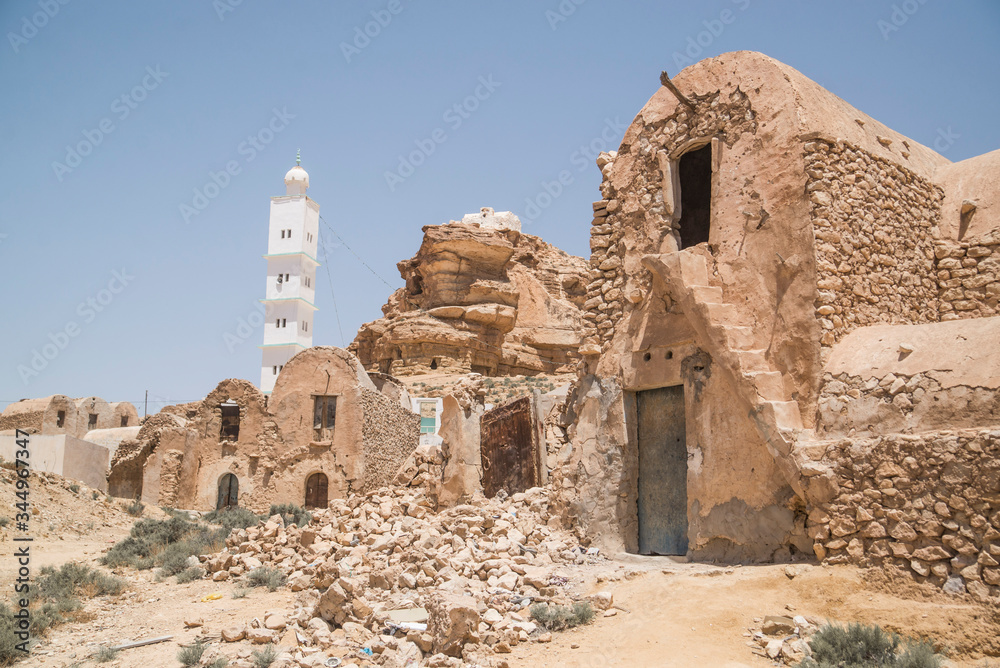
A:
(874, 223)
(29, 422)
(390, 433)
(928, 504)
(968, 275)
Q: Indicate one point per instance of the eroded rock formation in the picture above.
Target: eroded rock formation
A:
(481, 297)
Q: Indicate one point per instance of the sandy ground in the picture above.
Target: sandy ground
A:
(668, 614)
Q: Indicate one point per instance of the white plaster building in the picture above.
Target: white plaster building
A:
(290, 295)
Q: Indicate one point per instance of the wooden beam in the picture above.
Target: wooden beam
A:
(665, 80)
(141, 643)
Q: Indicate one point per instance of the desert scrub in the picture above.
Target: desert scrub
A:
(291, 514)
(74, 488)
(135, 508)
(190, 574)
(191, 655)
(558, 617)
(164, 543)
(54, 600)
(263, 658)
(232, 518)
(867, 646)
(266, 576)
(105, 654)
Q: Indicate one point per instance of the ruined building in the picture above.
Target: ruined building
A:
(792, 344)
(75, 438)
(324, 432)
(480, 297)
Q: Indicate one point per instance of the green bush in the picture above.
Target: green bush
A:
(164, 543)
(190, 574)
(266, 576)
(105, 654)
(191, 655)
(240, 592)
(135, 508)
(291, 514)
(221, 662)
(232, 518)
(263, 658)
(866, 646)
(558, 617)
(4, 521)
(53, 600)
(95, 495)
(74, 488)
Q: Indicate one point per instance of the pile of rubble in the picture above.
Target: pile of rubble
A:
(782, 638)
(384, 579)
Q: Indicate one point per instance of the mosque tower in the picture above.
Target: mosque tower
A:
(290, 296)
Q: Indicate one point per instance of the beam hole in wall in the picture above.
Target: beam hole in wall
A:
(647, 357)
(696, 196)
(669, 355)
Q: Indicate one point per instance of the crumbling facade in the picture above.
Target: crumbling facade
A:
(754, 232)
(324, 432)
(480, 297)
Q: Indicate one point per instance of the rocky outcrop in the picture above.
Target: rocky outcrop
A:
(480, 297)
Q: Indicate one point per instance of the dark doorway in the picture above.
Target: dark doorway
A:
(92, 421)
(316, 491)
(230, 430)
(229, 492)
(696, 196)
(508, 448)
(662, 471)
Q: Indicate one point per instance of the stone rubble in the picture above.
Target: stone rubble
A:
(385, 579)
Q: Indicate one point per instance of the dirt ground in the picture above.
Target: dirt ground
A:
(666, 613)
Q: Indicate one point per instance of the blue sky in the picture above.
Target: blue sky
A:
(131, 292)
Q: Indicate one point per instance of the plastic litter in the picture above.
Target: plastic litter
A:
(214, 596)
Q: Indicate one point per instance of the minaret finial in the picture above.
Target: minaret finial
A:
(298, 157)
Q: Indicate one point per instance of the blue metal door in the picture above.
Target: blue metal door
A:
(662, 471)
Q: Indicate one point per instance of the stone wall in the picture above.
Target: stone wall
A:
(874, 223)
(390, 433)
(715, 115)
(898, 402)
(29, 422)
(968, 275)
(928, 504)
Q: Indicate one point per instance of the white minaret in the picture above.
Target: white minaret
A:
(291, 275)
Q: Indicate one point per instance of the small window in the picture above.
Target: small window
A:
(287, 278)
(428, 417)
(324, 417)
(282, 234)
(230, 430)
(60, 418)
(274, 369)
(696, 196)
(124, 420)
(92, 421)
(284, 322)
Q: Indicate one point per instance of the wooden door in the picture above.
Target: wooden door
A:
(316, 491)
(662, 471)
(229, 492)
(508, 445)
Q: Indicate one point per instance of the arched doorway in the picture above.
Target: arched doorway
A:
(316, 491)
(229, 492)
